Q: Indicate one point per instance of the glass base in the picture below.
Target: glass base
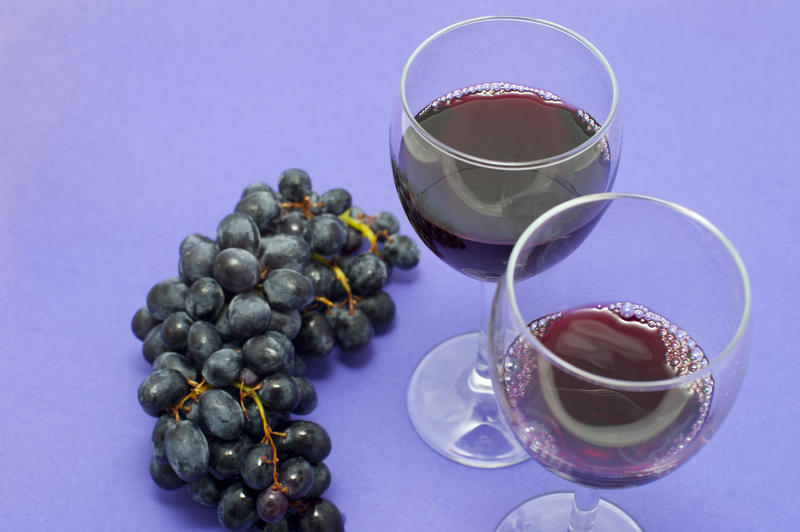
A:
(453, 409)
(551, 512)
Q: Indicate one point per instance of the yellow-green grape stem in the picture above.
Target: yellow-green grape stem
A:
(197, 389)
(339, 274)
(362, 228)
(268, 432)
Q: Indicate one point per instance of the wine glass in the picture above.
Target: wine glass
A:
(499, 119)
(614, 363)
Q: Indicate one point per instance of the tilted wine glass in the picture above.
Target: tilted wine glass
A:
(614, 362)
(499, 119)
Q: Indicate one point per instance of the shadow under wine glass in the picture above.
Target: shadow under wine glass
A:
(487, 136)
(599, 388)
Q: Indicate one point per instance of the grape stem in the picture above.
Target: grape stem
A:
(250, 391)
(195, 391)
(363, 228)
(340, 276)
(304, 205)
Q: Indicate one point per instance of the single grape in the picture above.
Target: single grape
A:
(326, 234)
(367, 274)
(380, 310)
(202, 342)
(384, 223)
(354, 241)
(262, 206)
(163, 475)
(257, 466)
(223, 367)
(279, 393)
(297, 476)
(257, 187)
(157, 440)
(238, 230)
(284, 525)
(294, 185)
(225, 456)
(305, 439)
(300, 366)
(236, 270)
(353, 330)
(166, 297)
(192, 240)
(284, 251)
(323, 278)
(400, 251)
(316, 337)
(286, 323)
(142, 323)
(187, 450)
(176, 361)
(322, 480)
(237, 508)
(271, 505)
(162, 389)
(153, 345)
(266, 354)
(175, 330)
(205, 299)
(336, 201)
(248, 377)
(291, 224)
(248, 314)
(320, 515)
(221, 414)
(205, 491)
(308, 396)
(223, 326)
(197, 262)
(288, 289)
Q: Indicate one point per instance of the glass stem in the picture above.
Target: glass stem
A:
(479, 378)
(584, 509)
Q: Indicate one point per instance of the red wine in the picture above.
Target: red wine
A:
(470, 215)
(596, 435)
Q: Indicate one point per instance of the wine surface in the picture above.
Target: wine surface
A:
(470, 214)
(597, 435)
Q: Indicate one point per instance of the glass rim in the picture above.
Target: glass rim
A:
(620, 384)
(512, 165)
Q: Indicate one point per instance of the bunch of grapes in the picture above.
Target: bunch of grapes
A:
(290, 275)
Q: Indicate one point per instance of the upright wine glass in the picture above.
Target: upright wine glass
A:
(614, 363)
(499, 119)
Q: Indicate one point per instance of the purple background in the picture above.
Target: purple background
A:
(126, 126)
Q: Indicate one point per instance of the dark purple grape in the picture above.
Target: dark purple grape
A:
(262, 206)
(271, 505)
(287, 289)
(236, 270)
(384, 223)
(197, 262)
(166, 297)
(238, 230)
(291, 224)
(320, 515)
(308, 396)
(284, 251)
(380, 310)
(286, 323)
(205, 491)
(400, 251)
(323, 278)
(326, 234)
(205, 299)
(294, 185)
(267, 354)
(163, 475)
(257, 187)
(353, 330)
(336, 201)
(305, 439)
(162, 389)
(297, 476)
(157, 440)
(191, 240)
(142, 323)
(221, 414)
(354, 241)
(175, 330)
(176, 361)
(187, 450)
(223, 367)
(225, 456)
(279, 393)
(367, 274)
(322, 480)
(257, 468)
(237, 508)
(153, 345)
(202, 342)
(248, 314)
(316, 337)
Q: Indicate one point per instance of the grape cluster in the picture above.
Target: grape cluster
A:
(291, 274)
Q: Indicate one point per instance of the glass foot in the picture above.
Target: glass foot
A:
(454, 410)
(551, 512)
